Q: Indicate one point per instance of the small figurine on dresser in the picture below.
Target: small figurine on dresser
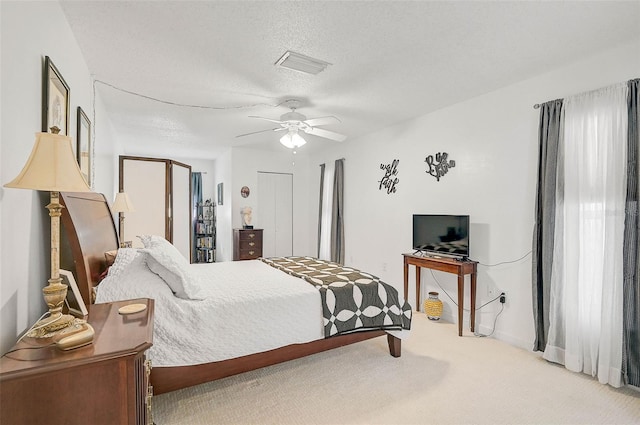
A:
(246, 217)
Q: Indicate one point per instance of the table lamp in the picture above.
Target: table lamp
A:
(52, 167)
(121, 205)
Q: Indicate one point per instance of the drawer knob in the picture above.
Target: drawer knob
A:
(252, 235)
(252, 243)
(251, 252)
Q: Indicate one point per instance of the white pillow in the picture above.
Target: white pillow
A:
(166, 261)
(126, 257)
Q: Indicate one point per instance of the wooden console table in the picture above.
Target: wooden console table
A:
(449, 265)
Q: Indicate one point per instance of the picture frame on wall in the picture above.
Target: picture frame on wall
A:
(84, 145)
(55, 99)
(220, 194)
(74, 301)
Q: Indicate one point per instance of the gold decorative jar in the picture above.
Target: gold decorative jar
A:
(433, 306)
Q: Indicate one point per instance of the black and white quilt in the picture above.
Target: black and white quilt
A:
(351, 300)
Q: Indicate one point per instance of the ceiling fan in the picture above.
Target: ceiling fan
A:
(294, 122)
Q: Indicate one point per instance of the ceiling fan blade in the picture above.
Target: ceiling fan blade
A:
(261, 131)
(322, 121)
(266, 119)
(326, 134)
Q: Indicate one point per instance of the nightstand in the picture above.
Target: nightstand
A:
(106, 382)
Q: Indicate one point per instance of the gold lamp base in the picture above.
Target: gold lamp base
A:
(54, 295)
(47, 327)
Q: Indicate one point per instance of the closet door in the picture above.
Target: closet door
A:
(145, 180)
(180, 214)
(275, 209)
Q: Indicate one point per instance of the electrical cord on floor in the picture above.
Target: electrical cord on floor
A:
(453, 301)
(478, 334)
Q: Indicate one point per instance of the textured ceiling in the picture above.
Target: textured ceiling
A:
(391, 61)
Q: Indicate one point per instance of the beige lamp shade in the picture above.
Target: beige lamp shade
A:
(122, 203)
(52, 166)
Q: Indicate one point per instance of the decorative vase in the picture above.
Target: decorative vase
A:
(433, 306)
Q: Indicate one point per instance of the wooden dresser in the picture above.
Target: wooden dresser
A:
(106, 382)
(247, 244)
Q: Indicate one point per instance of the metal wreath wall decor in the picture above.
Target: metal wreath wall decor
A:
(440, 166)
(389, 180)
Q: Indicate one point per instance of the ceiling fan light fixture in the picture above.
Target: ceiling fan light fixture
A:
(292, 140)
(301, 63)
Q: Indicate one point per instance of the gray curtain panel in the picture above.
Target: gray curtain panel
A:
(549, 133)
(337, 214)
(631, 262)
(196, 199)
(320, 207)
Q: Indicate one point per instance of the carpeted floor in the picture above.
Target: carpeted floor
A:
(440, 379)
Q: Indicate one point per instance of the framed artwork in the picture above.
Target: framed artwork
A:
(220, 193)
(55, 99)
(84, 145)
(74, 301)
(245, 191)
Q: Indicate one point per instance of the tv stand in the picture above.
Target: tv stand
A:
(460, 267)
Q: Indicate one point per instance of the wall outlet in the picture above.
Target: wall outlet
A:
(503, 298)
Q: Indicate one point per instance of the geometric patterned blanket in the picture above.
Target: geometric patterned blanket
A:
(351, 300)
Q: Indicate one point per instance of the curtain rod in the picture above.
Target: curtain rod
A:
(320, 165)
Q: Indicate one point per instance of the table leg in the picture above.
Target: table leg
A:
(460, 302)
(417, 288)
(406, 280)
(473, 301)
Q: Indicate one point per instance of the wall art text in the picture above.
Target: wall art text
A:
(440, 166)
(389, 181)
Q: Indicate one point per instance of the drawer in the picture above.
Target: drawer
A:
(249, 235)
(250, 254)
(250, 243)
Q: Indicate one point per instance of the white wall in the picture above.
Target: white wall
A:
(493, 139)
(224, 226)
(246, 163)
(24, 223)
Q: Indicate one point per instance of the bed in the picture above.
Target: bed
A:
(89, 232)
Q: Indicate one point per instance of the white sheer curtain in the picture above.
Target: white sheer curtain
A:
(585, 332)
(327, 206)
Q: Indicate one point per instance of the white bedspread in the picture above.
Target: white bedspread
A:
(248, 307)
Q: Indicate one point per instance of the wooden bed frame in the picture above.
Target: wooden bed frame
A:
(89, 232)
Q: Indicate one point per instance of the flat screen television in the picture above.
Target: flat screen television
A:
(441, 234)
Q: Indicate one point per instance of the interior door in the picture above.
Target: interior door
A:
(180, 213)
(275, 208)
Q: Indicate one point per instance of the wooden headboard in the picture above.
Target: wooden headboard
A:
(88, 231)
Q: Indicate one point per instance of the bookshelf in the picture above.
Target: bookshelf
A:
(205, 233)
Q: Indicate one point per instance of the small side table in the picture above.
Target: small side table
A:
(449, 265)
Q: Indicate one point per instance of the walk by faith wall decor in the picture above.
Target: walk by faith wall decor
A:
(440, 166)
(389, 181)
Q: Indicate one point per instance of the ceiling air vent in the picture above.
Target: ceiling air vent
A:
(302, 63)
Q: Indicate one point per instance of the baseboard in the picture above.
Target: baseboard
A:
(485, 330)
